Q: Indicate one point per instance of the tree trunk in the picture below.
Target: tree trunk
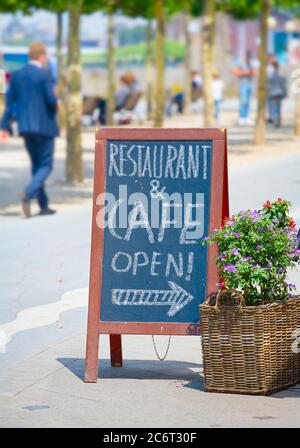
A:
(260, 128)
(74, 167)
(60, 71)
(111, 102)
(149, 68)
(208, 44)
(188, 44)
(160, 66)
(223, 55)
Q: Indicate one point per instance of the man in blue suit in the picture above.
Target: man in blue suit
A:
(32, 102)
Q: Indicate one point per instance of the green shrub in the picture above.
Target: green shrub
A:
(256, 248)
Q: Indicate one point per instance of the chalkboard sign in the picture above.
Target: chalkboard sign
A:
(157, 194)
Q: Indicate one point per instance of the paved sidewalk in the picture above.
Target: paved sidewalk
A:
(48, 391)
(44, 267)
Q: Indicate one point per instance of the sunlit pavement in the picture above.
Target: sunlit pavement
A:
(44, 263)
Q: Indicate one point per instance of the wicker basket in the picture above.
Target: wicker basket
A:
(250, 349)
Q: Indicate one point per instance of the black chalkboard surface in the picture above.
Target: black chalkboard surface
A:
(157, 194)
(154, 267)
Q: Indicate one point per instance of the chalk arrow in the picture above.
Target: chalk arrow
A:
(176, 297)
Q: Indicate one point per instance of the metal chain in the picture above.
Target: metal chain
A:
(167, 351)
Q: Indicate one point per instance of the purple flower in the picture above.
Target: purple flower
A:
(259, 246)
(290, 286)
(236, 234)
(246, 259)
(230, 268)
(291, 255)
(254, 215)
(230, 223)
(257, 266)
(234, 252)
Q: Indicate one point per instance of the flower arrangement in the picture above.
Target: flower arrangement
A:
(256, 248)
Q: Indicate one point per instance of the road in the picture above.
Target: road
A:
(44, 277)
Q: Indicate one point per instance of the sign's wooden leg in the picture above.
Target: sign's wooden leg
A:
(116, 358)
(91, 363)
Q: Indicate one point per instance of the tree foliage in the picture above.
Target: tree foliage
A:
(240, 9)
(146, 8)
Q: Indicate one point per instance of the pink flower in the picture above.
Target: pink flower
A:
(267, 204)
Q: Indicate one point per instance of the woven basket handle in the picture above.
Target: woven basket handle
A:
(237, 294)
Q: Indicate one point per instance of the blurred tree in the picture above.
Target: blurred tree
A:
(239, 9)
(72, 71)
(69, 81)
(160, 10)
(260, 128)
(59, 54)
(293, 6)
(74, 163)
(111, 105)
(160, 65)
(110, 7)
(208, 44)
(12, 6)
(144, 8)
(163, 10)
(242, 10)
(187, 59)
(149, 67)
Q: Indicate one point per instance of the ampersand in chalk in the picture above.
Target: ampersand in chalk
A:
(155, 193)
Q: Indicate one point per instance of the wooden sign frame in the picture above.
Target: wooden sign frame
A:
(219, 209)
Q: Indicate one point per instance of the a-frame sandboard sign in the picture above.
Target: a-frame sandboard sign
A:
(157, 194)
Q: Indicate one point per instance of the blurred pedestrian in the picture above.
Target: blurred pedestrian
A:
(277, 91)
(217, 88)
(129, 87)
(197, 84)
(32, 100)
(245, 74)
(177, 98)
